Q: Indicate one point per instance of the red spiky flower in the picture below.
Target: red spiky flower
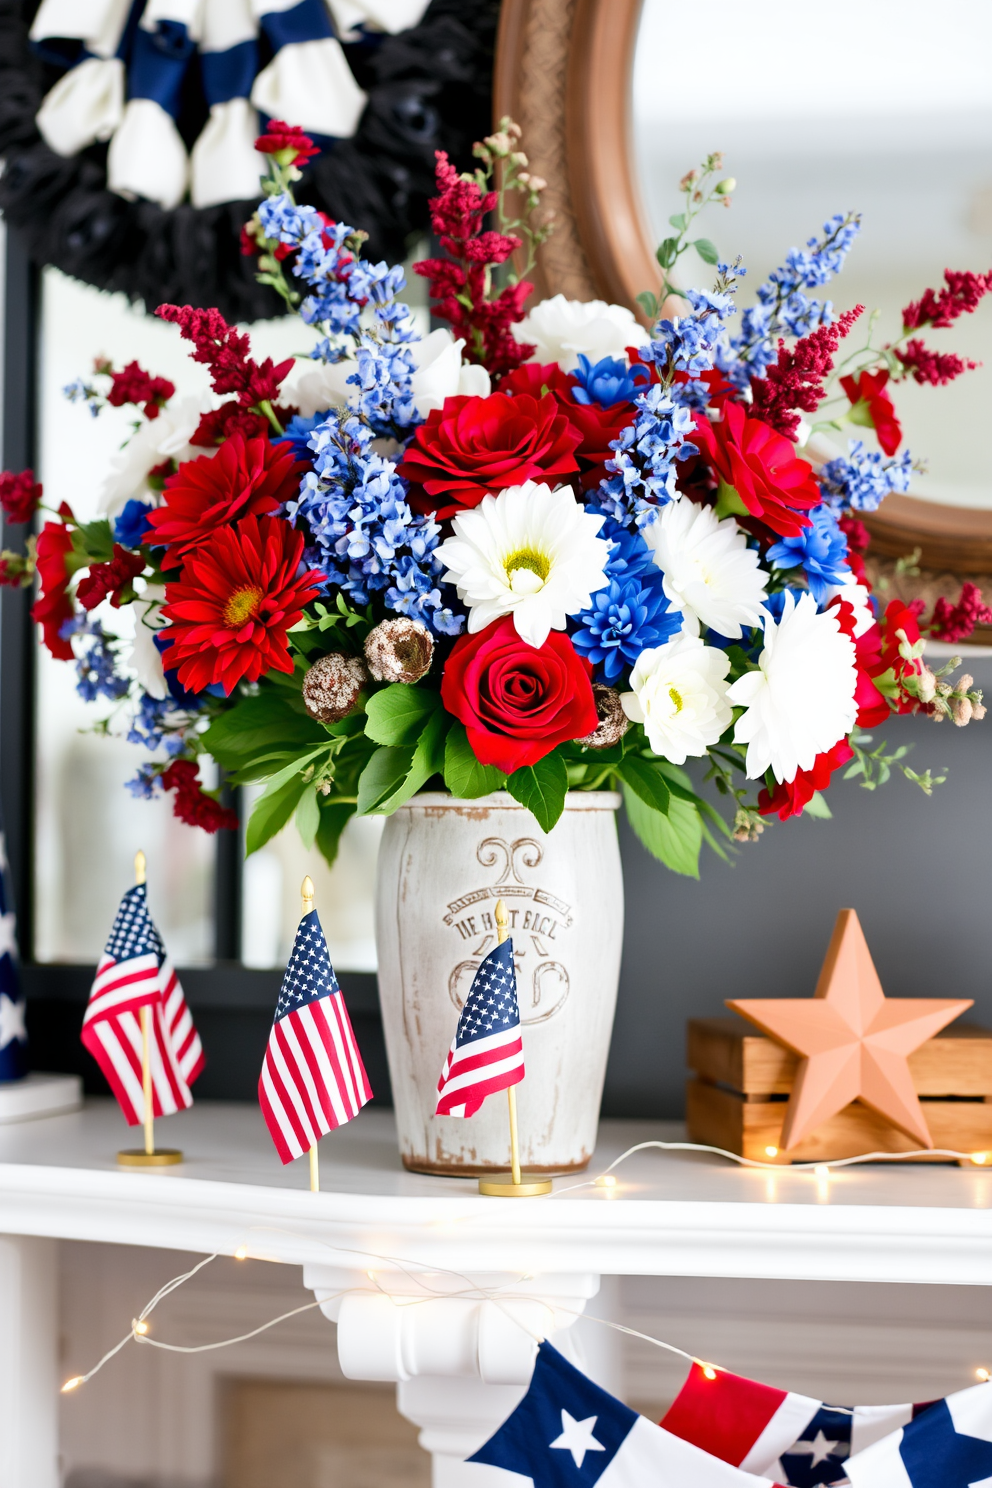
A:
(238, 595)
(246, 477)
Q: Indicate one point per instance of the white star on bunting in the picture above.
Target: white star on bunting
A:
(577, 1437)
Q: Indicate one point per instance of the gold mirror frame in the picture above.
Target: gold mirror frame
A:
(563, 72)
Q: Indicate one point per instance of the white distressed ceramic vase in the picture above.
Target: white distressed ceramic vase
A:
(443, 863)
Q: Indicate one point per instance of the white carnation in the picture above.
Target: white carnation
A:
(529, 552)
(680, 695)
(144, 658)
(711, 575)
(164, 438)
(800, 701)
(561, 329)
(440, 374)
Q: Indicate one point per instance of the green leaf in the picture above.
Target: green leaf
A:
(334, 817)
(706, 250)
(272, 812)
(95, 539)
(295, 767)
(675, 839)
(648, 303)
(308, 817)
(398, 713)
(383, 776)
(255, 724)
(463, 774)
(647, 781)
(428, 760)
(678, 221)
(817, 807)
(541, 788)
(667, 252)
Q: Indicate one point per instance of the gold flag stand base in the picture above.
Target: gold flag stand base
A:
(136, 1157)
(503, 1186)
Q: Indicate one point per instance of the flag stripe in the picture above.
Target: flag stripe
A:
(134, 972)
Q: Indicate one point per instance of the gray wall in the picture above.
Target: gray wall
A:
(917, 870)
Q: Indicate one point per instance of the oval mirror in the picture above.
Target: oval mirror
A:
(814, 115)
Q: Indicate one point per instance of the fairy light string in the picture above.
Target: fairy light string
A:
(472, 1290)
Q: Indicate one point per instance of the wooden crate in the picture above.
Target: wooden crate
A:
(736, 1098)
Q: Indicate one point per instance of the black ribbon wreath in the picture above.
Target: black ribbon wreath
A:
(428, 89)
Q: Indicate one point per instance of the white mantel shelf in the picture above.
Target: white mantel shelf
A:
(670, 1214)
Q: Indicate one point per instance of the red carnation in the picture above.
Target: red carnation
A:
(789, 797)
(597, 427)
(53, 607)
(873, 708)
(113, 578)
(518, 702)
(134, 385)
(287, 143)
(245, 478)
(474, 447)
(760, 468)
(191, 803)
(871, 405)
(238, 596)
(19, 495)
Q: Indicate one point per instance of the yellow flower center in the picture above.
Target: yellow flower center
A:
(530, 560)
(676, 698)
(241, 606)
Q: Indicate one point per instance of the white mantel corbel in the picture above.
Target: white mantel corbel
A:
(459, 1348)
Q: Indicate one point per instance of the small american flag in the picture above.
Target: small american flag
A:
(135, 972)
(486, 1054)
(313, 1079)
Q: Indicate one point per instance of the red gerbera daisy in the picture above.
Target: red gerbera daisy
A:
(246, 477)
(238, 596)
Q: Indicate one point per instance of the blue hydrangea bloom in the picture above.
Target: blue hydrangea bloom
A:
(608, 382)
(862, 479)
(821, 549)
(132, 524)
(783, 308)
(643, 465)
(145, 783)
(96, 660)
(364, 536)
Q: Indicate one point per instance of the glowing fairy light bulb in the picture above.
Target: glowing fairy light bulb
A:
(72, 1384)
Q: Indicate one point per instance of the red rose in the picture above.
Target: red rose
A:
(53, 607)
(19, 495)
(759, 467)
(596, 426)
(246, 477)
(518, 702)
(874, 408)
(474, 447)
(789, 797)
(287, 143)
(238, 596)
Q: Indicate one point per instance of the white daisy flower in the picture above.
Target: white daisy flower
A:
(561, 329)
(711, 575)
(529, 552)
(680, 696)
(800, 702)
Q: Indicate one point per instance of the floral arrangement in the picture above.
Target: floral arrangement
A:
(548, 549)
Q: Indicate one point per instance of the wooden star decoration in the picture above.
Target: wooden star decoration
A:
(854, 1042)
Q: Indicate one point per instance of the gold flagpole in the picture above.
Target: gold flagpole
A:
(146, 1040)
(306, 895)
(149, 1158)
(519, 1186)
